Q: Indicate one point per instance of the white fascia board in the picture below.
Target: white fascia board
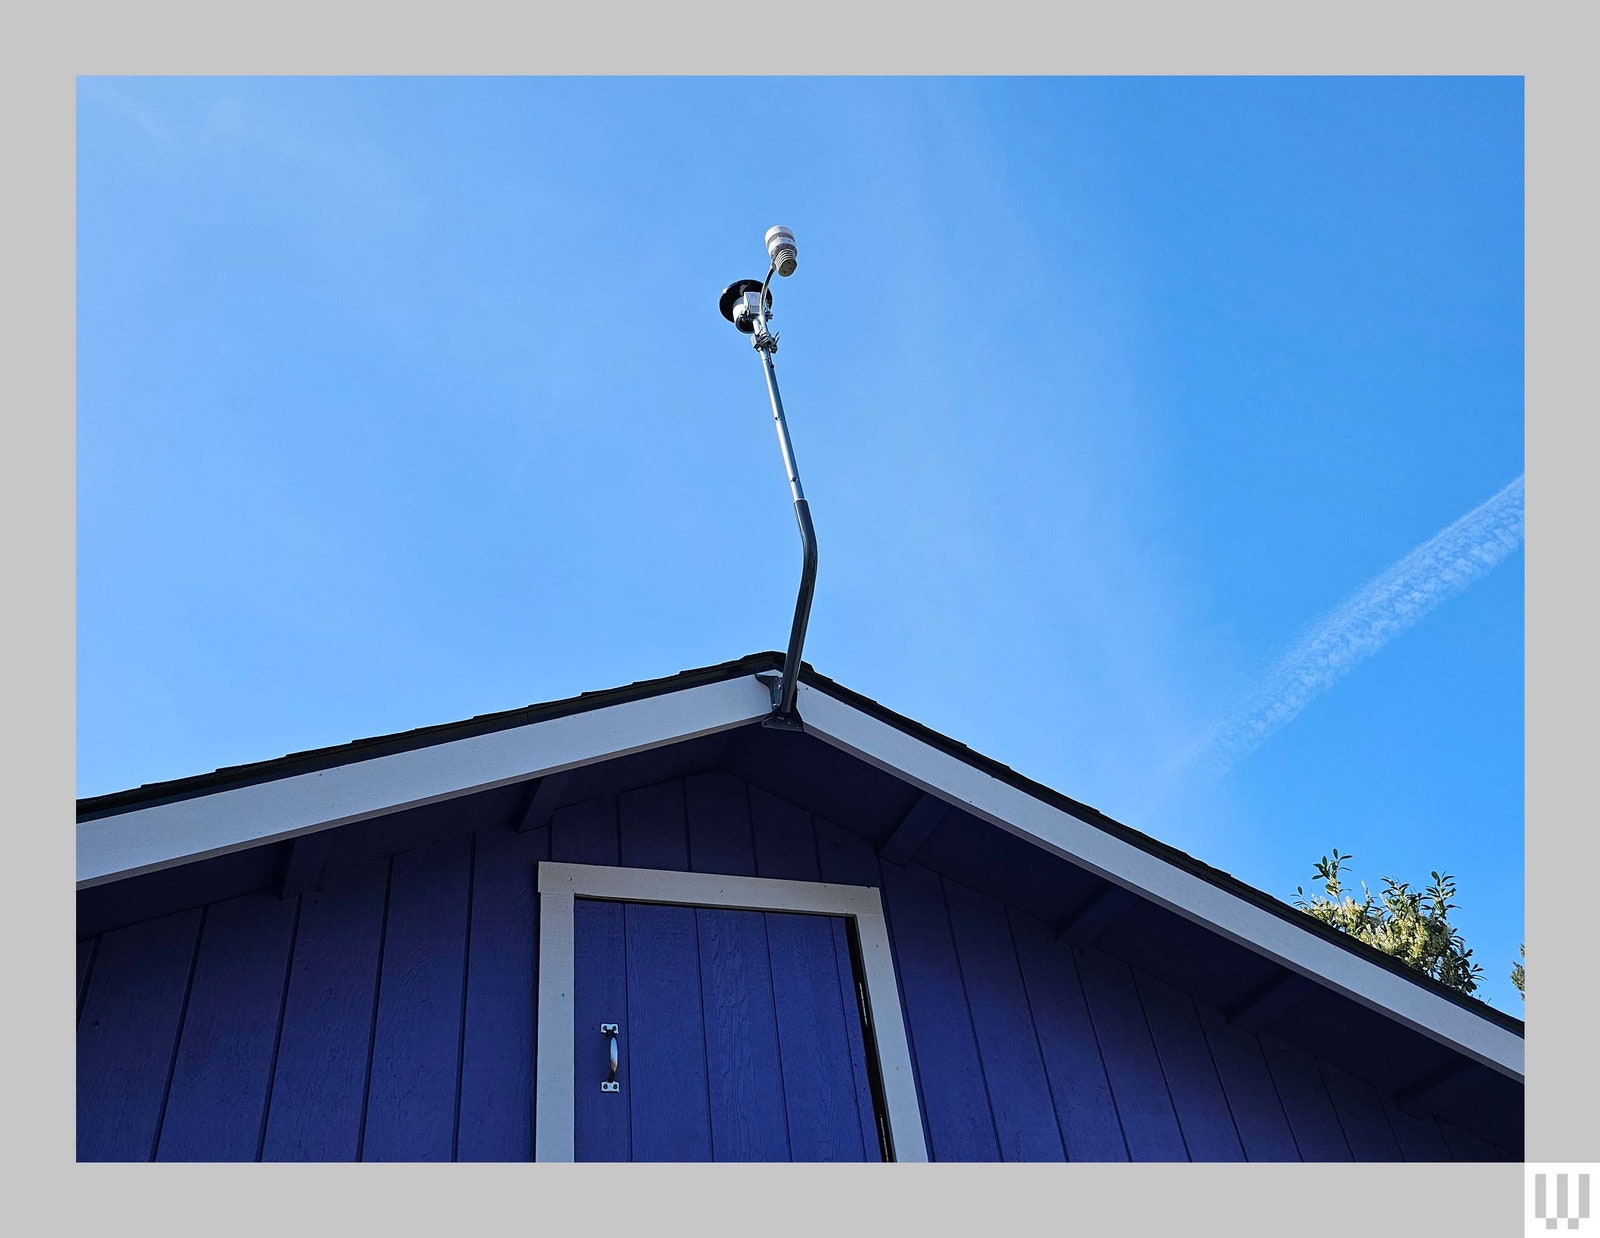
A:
(161, 836)
(166, 835)
(1090, 847)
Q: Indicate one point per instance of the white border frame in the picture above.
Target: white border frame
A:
(561, 884)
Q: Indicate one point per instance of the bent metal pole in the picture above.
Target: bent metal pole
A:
(766, 345)
(747, 304)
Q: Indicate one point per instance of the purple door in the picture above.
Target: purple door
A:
(739, 1037)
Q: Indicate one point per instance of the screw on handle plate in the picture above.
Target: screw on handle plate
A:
(610, 1083)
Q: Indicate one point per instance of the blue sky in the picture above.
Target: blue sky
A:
(403, 400)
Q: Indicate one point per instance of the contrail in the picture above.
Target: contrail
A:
(1368, 619)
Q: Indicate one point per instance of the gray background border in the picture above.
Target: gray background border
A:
(50, 46)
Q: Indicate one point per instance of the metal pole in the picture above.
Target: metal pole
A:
(808, 545)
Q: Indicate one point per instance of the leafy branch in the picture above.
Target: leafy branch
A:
(1410, 925)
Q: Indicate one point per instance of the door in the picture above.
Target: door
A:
(738, 1036)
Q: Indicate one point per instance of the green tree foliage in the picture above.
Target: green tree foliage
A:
(1518, 975)
(1410, 925)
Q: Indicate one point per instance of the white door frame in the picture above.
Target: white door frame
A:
(561, 884)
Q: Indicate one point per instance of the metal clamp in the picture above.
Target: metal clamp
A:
(610, 1083)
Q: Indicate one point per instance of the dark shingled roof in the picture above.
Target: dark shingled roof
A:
(117, 802)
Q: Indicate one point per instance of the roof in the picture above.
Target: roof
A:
(161, 825)
(228, 777)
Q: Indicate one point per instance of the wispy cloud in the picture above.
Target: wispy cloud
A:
(1362, 624)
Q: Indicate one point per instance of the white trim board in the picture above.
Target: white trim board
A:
(561, 884)
(1059, 832)
(145, 840)
(166, 835)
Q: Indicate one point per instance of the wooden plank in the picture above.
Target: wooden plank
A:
(1419, 1137)
(652, 830)
(411, 1098)
(814, 1043)
(1306, 1103)
(719, 825)
(667, 1091)
(128, 1033)
(1098, 913)
(1149, 1123)
(1013, 1066)
(668, 1053)
(955, 1102)
(745, 1078)
(497, 1051)
(1252, 1096)
(918, 825)
(1361, 1115)
(1192, 1080)
(602, 1120)
(85, 962)
(303, 866)
(786, 844)
(585, 833)
(320, 1081)
(544, 801)
(1090, 1129)
(216, 1105)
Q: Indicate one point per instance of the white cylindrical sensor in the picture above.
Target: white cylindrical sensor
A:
(780, 248)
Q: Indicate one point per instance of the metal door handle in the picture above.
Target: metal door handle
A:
(610, 1083)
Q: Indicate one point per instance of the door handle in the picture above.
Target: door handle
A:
(610, 1083)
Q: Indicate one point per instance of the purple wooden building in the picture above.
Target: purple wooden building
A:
(640, 924)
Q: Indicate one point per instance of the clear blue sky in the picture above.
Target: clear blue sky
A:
(401, 401)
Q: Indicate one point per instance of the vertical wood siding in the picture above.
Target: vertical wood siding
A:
(319, 1086)
(1074, 1064)
(668, 1069)
(1253, 1100)
(603, 1131)
(128, 1035)
(416, 1040)
(1020, 1103)
(944, 1047)
(497, 1043)
(741, 1037)
(1144, 1105)
(720, 841)
(1190, 1073)
(390, 1014)
(216, 1100)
